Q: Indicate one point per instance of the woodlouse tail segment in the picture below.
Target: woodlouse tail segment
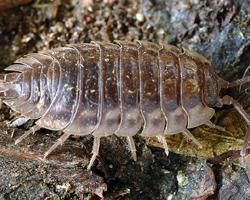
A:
(9, 87)
(227, 100)
(27, 133)
(60, 141)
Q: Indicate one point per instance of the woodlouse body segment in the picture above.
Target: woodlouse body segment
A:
(176, 119)
(63, 105)
(102, 89)
(149, 72)
(86, 115)
(191, 91)
(108, 107)
(130, 119)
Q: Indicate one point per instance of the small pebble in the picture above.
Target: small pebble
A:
(139, 17)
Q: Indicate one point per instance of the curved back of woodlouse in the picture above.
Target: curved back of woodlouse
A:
(117, 88)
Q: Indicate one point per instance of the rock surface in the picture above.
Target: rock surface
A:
(220, 30)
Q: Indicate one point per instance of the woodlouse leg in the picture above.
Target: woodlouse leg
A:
(162, 140)
(95, 151)
(189, 136)
(212, 125)
(245, 144)
(132, 147)
(60, 141)
(227, 100)
(27, 133)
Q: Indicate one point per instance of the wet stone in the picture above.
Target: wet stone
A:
(235, 184)
(196, 182)
(218, 29)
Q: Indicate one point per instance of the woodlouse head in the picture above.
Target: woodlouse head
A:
(212, 88)
(210, 81)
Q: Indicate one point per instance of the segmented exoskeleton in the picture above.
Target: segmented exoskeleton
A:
(103, 89)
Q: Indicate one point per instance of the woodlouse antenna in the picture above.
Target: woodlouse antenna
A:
(236, 83)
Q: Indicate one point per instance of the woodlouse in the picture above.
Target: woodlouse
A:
(102, 89)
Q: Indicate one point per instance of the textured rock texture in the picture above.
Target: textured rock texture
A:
(218, 29)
